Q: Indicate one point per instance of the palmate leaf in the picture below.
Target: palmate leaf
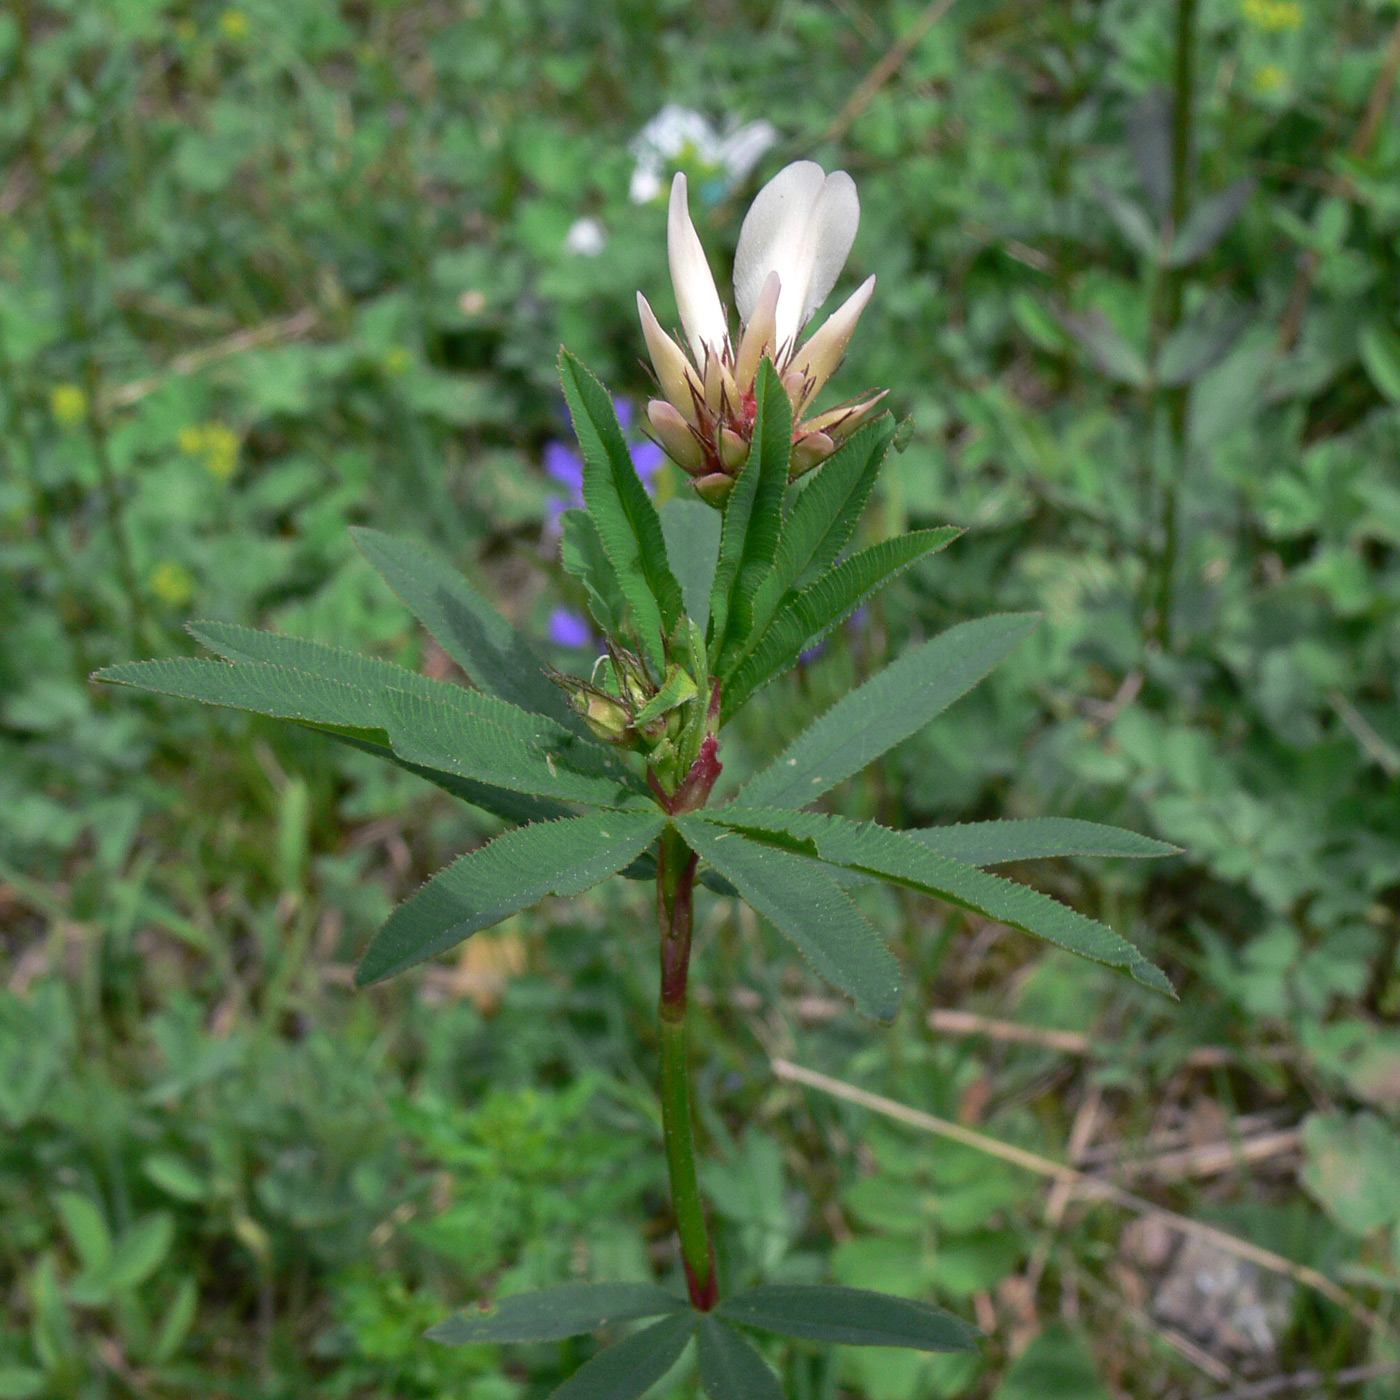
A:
(899, 858)
(626, 520)
(886, 709)
(632, 1366)
(494, 655)
(508, 874)
(806, 617)
(582, 554)
(551, 1314)
(802, 901)
(692, 532)
(550, 762)
(730, 1366)
(851, 1316)
(753, 519)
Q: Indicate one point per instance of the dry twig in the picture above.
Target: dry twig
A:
(894, 59)
(270, 333)
(1085, 1187)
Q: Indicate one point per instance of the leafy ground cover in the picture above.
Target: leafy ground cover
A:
(271, 271)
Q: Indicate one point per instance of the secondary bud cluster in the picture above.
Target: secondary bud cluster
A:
(793, 244)
(623, 705)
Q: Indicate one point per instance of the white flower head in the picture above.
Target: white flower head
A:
(793, 244)
(802, 226)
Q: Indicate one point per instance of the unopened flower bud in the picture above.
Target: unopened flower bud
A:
(714, 488)
(604, 716)
(675, 436)
(809, 450)
(733, 450)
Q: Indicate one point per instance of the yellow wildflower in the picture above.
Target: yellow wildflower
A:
(233, 24)
(68, 402)
(1269, 80)
(217, 443)
(220, 450)
(1273, 16)
(172, 584)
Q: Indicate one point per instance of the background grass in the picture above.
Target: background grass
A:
(271, 269)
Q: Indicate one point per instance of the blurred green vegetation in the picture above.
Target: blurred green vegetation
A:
(271, 269)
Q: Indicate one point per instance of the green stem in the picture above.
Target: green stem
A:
(1175, 398)
(675, 888)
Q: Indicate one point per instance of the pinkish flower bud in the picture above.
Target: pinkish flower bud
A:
(675, 436)
(733, 450)
(714, 488)
(808, 451)
(673, 371)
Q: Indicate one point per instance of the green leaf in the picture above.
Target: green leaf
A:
(1035, 838)
(898, 857)
(806, 905)
(179, 1318)
(86, 1229)
(1201, 342)
(141, 1250)
(266, 690)
(244, 644)
(500, 802)
(1209, 222)
(1100, 340)
(730, 1366)
(21, 1383)
(583, 555)
(887, 708)
(807, 616)
(1380, 353)
(692, 532)
(551, 1314)
(515, 870)
(1132, 219)
(851, 1316)
(1056, 1363)
(626, 520)
(247, 644)
(825, 514)
(1351, 1165)
(363, 718)
(632, 1366)
(753, 519)
(549, 762)
(494, 655)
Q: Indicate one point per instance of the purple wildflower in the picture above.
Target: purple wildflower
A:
(569, 629)
(648, 458)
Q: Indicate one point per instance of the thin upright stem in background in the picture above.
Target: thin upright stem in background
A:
(1175, 399)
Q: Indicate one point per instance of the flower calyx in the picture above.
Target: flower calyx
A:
(622, 704)
(793, 244)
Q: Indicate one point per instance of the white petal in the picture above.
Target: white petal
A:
(821, 354)
(702, 316)
(801, 225)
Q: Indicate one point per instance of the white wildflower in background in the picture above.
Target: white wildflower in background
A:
(677, 132)
(586, 237)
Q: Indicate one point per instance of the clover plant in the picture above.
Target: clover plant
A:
(700, 604)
